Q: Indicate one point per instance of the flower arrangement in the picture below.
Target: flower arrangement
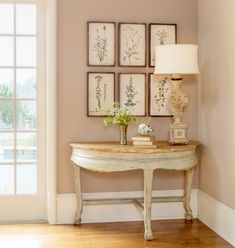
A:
(145, 128)
(120, 116)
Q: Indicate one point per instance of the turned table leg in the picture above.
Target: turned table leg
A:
(78, 191)
(148, 181)
(187, 193)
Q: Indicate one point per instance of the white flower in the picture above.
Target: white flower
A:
(144, 129)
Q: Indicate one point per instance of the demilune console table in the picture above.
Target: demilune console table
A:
(111, 157)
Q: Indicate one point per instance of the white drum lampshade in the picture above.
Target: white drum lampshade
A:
(176, 59)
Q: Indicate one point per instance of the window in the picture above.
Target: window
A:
(18, 99)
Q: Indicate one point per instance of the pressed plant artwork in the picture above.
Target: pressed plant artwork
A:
(132, 44)
(101, 44)
(132, 92)
(100, 93)
(160, 34)
(132, 39)
(159, 91)
(160, 97)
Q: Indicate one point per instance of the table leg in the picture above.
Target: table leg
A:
(187, 193)
(148, 182)
(78, 191)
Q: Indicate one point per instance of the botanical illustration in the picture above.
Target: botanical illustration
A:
(132, 92)
(101, 93)
(132, 39)
(98, 94)
(101, 44)
(160, 89)
(161, 34)
(161, 96)
(132, 44)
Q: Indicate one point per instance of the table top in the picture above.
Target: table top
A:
(115, 147)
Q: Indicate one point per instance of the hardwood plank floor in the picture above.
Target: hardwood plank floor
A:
(167, 234)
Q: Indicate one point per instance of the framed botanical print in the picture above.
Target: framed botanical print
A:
(132, 92)
(160, 34)
(159, 91)
(101, 43)
(100, 93)
(132, 44)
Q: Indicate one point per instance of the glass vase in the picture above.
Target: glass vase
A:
(123, 135)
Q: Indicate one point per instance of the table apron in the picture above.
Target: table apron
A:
(109, 162)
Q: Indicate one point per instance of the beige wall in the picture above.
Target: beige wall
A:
(217, 98)
(73, 125)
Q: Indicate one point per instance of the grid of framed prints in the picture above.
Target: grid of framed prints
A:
(131, 89)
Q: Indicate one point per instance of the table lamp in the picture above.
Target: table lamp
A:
(177, 60)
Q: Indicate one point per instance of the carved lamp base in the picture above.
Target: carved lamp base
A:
(178, 100)
(178, 134)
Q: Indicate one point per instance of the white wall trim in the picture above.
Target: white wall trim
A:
(66, 206)
(51, 109)
(217, 216)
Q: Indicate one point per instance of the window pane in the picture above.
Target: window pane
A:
(26, 147)
(6, 148)
(6, 83)
(6, 115)
(25, 51)
(25, 19)
(26, 83)
(26, 114)
(6, 51)
(7, 18)
(6, 179)
(26, 179)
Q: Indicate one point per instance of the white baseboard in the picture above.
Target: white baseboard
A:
(217, 216)
(66, 207)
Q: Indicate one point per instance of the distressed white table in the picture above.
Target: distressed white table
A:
(111, 157)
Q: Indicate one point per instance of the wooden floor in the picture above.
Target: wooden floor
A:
(167, 234)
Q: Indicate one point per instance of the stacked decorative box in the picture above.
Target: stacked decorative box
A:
(144, 141)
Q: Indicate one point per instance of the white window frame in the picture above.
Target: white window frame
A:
(50, 17)
(51, 7)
